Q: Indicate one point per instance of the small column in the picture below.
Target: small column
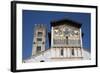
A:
(65, 52)
(79, 52)
(75, 52)
(69, 52)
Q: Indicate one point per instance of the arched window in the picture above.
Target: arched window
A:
(40, 34)
(62, 53)
(67, 40)
(38, 48)
(72, 51)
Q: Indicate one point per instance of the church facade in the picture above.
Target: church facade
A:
(65, 40)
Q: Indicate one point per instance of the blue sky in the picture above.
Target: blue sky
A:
(31, 17)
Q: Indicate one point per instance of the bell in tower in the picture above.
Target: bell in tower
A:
(39, 39)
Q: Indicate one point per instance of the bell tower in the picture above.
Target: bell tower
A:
(39, 39)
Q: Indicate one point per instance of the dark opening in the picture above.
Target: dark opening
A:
(40, 33)
(62, 52)
(38, 48)
(39, 39)
(42, 61)
(72, 51)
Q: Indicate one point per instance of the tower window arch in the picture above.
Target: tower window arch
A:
(38, 48)
(40, 34)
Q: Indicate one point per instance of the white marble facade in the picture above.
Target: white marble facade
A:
(66, 44)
